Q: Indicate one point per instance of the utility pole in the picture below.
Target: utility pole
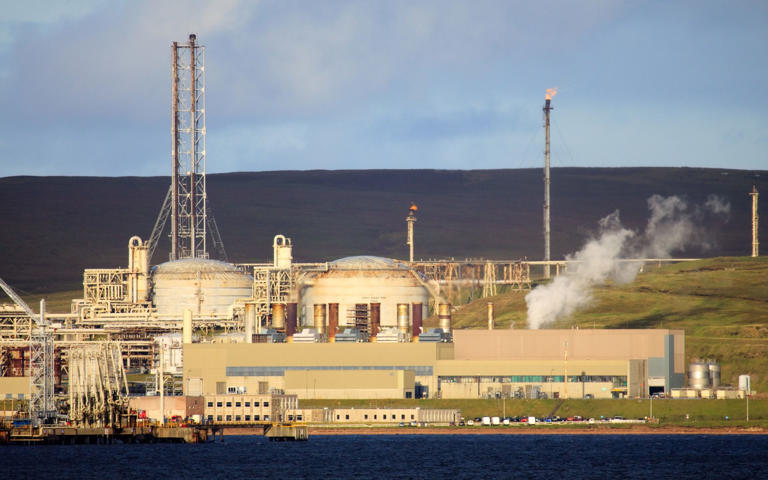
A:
(551, 92)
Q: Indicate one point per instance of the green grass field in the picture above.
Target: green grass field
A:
(668, 411)
(721, 303)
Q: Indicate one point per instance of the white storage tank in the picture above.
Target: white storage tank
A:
(744, 383)
(362, 281)
(206, 287)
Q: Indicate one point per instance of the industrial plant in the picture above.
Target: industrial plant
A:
(246, 342)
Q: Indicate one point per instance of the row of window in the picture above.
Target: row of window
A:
(537, 379)
(237, 404)
(375, 417)
(279, 371)
(238, 418)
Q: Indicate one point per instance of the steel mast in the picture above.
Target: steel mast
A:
(188, 183)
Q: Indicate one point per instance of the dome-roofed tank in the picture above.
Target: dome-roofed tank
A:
(207, 287)
(356, 283)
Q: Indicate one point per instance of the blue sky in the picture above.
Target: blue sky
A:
(85, 85)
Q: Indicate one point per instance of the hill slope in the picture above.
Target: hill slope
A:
(721, 303)
(51, 228)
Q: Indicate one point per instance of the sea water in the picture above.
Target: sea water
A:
(405, 456)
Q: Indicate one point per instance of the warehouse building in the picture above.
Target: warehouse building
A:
(478, 364)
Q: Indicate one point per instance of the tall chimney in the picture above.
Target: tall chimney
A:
(410, 220)
(547, 108)
(755, 242)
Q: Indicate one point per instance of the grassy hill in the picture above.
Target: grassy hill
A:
(51, 228)
(721, 303)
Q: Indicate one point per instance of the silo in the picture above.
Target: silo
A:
(714, 374)
(278, 316)
(490, 316)
(698, 375)
(403, 318)
(291, 319)
(320, 318)
(745, 383)
(416, 316)
(333, 319)
(206, 287)
(444, 317)
(375, 319)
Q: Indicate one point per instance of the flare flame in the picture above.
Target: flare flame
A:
(551, 92)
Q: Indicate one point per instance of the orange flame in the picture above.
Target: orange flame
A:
(413, 207)
(551, 92)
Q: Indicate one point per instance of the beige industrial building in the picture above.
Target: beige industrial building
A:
(478, 364)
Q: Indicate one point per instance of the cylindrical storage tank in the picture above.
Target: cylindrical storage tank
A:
(403, 318)
(490, 316)
(333, 319)
(291, 318)
(714, 374)
(363, 280)
(278, 316)
(250, 321)
(320, 317)
(444, 316)
(375, 319)
(698, 376)
(745, 384)
(207, 287)
(187, 327)
(416, 315)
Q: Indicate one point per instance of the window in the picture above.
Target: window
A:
(237, 404)
(218, 418)
(338, 417)
(408, 395)
(237, 418)
(210, 418)
(229, 404)
(266, 404)
(411, 416)
(255, 418)
(266, 418)
(346, 417)
(218, 404)
(255, 404)
(365, 416)
(229, 418)
(374, 417)
(402, 417)
(247, 404)
(290, 418)
(298, 418)
(247, 418)
(210, 404)
(385, 416)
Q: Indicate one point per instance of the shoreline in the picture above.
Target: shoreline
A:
(635, 430)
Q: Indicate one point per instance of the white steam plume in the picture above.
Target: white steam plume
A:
(671, 227)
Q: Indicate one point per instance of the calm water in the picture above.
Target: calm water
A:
(391, 456)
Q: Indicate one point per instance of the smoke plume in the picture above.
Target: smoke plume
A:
(672, 227)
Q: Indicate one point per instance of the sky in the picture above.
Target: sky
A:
(85, 85)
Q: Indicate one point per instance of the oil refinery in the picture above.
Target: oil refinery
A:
(246, 342)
